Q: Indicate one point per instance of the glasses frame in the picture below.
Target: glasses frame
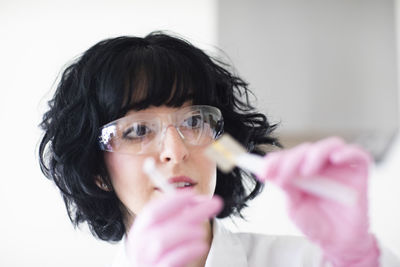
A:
(106, 130)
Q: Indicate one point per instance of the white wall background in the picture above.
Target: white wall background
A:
(333, 56)
(322, 68)
(37, 39)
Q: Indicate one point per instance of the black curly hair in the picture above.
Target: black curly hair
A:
(124, 73)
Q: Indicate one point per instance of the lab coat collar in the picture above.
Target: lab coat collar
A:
(226, 248)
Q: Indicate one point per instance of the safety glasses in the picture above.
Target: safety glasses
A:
(143, 133)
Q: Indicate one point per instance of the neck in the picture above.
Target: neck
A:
(201, 262)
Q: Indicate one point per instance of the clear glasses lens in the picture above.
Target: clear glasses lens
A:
(142, 133)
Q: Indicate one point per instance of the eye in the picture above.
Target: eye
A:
(192, 122)
(137, 131)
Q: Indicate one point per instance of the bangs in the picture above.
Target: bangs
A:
(158, 76)
(135, 73)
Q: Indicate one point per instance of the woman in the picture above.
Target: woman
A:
(128, 98)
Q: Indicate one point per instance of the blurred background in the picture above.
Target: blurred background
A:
(319, 68)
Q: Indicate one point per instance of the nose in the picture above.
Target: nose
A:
(173, 148)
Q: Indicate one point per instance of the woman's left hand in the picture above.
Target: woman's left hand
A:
(169, 231)
(340, 230)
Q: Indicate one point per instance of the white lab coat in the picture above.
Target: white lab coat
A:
(230, 249)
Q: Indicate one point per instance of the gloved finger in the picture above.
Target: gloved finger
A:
(289, 168)
(352, 155)
(198, 211)
(162, 209)
(294, 195)
(271, 166)
(170, 237)
(318, 155)
(202, 210)
(183, 255)
(318, 228)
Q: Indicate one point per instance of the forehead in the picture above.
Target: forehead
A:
(158, 110)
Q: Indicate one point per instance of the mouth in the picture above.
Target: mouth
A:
(181, 183)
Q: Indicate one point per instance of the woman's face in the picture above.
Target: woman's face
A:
(180, 164)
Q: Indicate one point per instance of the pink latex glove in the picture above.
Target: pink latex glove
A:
(340, 230)
(170, 231)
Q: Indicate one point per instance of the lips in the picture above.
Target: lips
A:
(182, 182)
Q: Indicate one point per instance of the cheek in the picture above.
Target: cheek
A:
(208, 171)
(129, 182)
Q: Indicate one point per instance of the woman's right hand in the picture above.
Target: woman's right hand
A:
(170, 231)
(342, 231)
